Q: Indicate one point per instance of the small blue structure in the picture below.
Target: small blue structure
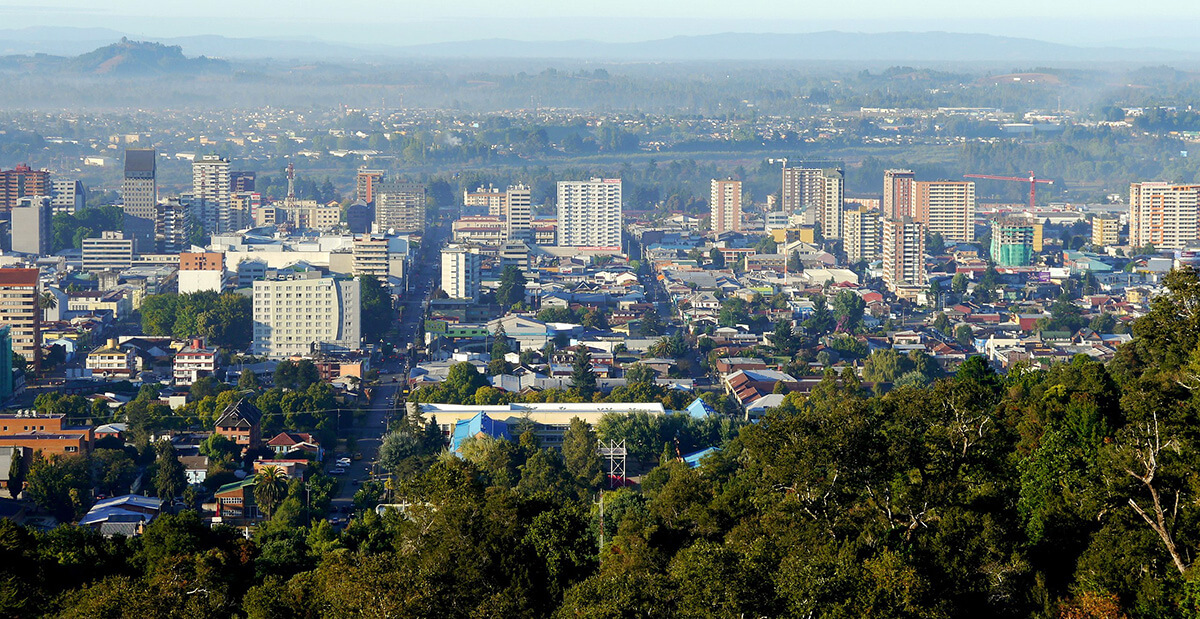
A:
(479, 424)
(693, 459)
(699, 409)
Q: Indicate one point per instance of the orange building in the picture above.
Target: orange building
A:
(45, 433)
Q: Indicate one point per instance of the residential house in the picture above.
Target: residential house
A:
(235, 501)
(112, 359)
(240, 423)
(194, 362)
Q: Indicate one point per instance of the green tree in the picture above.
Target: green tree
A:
(115, 471)
(270, 487)
(59, 485)
(375, 306)
(639, 374)
(511, 289)
(296, 375)
(579, 454)
(583, 379)
(169, 476)
(248, 381)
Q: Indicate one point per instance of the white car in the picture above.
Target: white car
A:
(343, 462)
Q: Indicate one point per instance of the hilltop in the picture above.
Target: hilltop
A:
(125, 57)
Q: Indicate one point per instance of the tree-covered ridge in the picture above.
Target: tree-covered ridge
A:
(1067, 492)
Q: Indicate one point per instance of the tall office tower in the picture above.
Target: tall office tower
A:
(400, 206)
(69, 196)
(30, 225)
(139, 196)
(898, 193)
(1012, 242)
(725, 206)
(947, 208)
(1106, 231)
(366, 183)
(242, 182)
(172, 227)
(460, 271)
(299, 313)
(518, 213)
(23, 181)
(112, 251)
(210, 190)
(488, 196)
(1164, 215)
(589, 213)
(19, 310)
(242, 207)
(903, 256)
(861, 233)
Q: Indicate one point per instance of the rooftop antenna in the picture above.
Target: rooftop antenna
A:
(291, 176)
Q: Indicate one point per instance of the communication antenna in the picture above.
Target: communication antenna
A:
(291, 176)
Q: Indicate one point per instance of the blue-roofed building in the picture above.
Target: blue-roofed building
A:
(693, 459)
(699, 409)
(475, 426)
(126, 515)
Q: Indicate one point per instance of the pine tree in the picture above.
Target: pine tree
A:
(583, 379)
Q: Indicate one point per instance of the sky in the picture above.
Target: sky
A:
(400, 22)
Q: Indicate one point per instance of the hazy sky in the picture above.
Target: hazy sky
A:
(407, 21)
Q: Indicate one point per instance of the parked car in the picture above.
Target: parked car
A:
(337, 470)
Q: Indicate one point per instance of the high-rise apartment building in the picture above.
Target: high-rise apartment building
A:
(242, 207)
(380, 257)
(819, 193)
(30, 225)
(400, 207)
(589, 213)
(1165, 215)
(898, 193)
(802, 189)
(1106, 231)
(489, 197)
(1012, 242)
(172, 228)
(19, 310)
(20, 182)
(861, 233)
(947, 208)
(460, 271)
(241, 182)
(112, 251)
(210, 191)
(299, 313)
(69, 196)
(366, 183)
(725, 206)
(518, 213)
(903, 256)
(139, 196)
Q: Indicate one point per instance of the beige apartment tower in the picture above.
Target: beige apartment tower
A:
(947, 208)
(210, 191)
(898, 193)
(861, 239)
(1106, 231)
(589, 214)
(903, 256)
(1164, 215)
(819, 193)
(725, 206)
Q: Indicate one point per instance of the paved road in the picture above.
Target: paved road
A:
(392, 376)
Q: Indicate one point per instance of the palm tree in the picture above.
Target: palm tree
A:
(270, 486)
(47, 302)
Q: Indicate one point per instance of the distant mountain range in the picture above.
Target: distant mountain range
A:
(894, 47)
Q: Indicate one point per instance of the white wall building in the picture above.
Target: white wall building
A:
(589, 214)
(460, 272)
(298, 312)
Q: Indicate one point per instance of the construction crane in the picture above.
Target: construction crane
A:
(1033, 180)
